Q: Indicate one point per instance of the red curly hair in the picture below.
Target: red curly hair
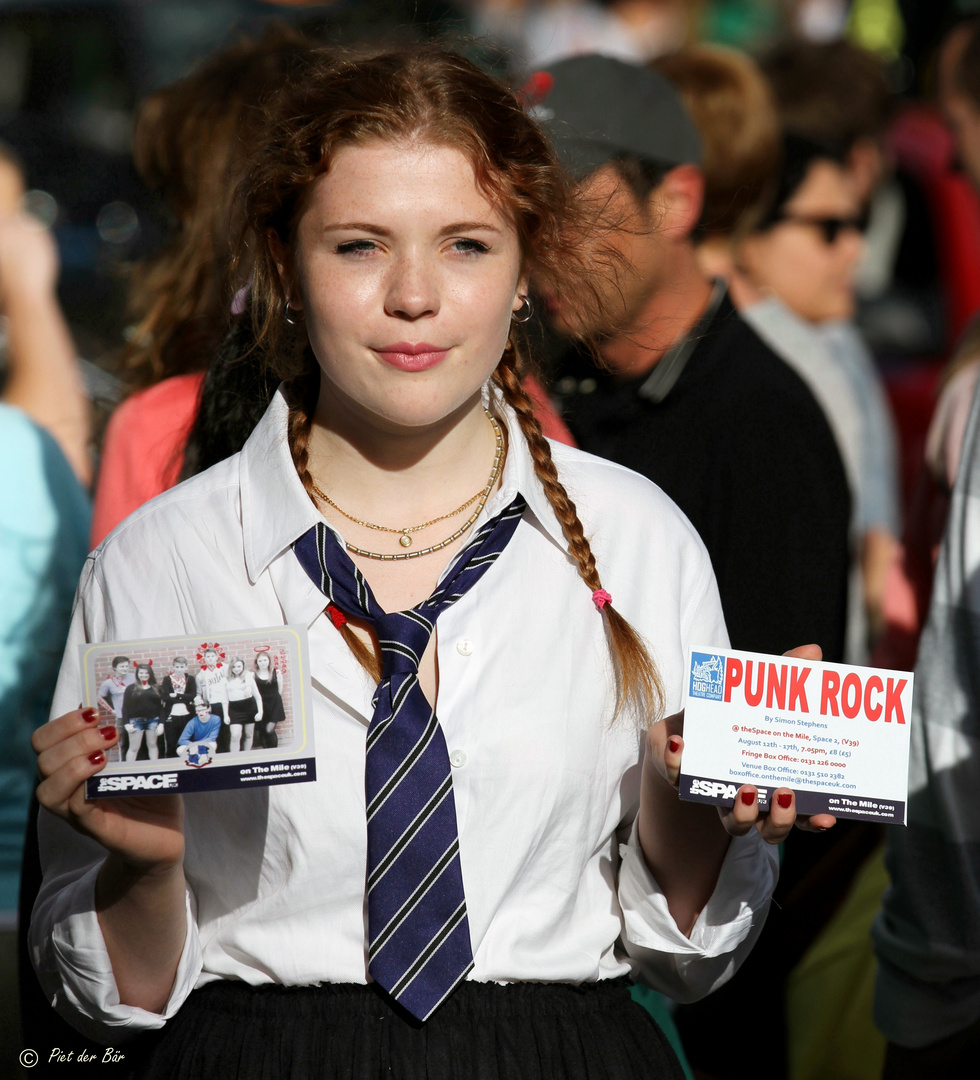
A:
(429, 94)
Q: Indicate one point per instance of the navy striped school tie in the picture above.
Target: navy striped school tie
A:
(419, 936)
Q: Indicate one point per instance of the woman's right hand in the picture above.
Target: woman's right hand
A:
(146, 833)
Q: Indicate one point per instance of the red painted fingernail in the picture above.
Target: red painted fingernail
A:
(673, 745)
(784, 800)
(97, 758)
(748, 797)
(108, 733)
(89, 716)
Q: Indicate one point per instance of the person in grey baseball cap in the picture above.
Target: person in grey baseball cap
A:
(597, 109)
(692, 397)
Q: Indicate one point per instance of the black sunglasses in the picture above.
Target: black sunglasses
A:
(830, 227)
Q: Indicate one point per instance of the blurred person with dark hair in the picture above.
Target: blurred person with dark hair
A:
(834, 97)
(44, 520)
(837, 94)
(803, 254)
(927, 936)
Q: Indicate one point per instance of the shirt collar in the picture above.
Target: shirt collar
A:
(669, 368)
(518, 476)
(276, 509)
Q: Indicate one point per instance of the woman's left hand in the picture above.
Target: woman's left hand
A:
(665, 743)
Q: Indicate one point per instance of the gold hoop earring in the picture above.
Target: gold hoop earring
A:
(525, 311)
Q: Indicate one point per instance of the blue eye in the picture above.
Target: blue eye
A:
(355, 247)
(467, 247)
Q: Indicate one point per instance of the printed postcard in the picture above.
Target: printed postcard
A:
(837, 734)
(221, 710)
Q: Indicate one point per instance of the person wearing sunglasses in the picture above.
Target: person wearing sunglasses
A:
(799, 261)
(805, 249)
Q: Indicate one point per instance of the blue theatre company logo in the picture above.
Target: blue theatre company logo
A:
(707, 676)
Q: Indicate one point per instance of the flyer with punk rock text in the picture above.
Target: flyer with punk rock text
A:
(838, 735)
(206, 712)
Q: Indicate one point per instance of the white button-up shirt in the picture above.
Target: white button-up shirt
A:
(546, 784)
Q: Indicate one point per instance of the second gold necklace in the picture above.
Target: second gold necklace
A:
(405, 538)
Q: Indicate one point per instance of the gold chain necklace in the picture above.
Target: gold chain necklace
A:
(405, 539)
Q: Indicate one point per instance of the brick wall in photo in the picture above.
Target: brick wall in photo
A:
(248, 648)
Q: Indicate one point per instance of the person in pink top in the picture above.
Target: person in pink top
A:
(190, 144)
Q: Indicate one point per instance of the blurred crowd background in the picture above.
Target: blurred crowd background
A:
(122, 288)
(73, 75)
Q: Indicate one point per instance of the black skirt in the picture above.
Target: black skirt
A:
(242, 711)
(524, 1031)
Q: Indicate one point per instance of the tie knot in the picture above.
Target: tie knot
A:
(403, 637)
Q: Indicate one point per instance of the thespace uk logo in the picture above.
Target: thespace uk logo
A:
(707, 676)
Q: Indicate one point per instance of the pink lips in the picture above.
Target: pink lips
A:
(408, 357)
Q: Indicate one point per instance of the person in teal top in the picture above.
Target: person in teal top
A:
(45, 431)
(44, 523)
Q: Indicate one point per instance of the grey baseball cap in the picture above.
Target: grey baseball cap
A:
(597, 108)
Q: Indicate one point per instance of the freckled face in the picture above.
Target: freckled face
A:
(407, 277)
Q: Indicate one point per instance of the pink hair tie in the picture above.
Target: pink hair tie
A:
(600, 598)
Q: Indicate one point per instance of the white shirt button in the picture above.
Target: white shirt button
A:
(464, 646)
(457, 759)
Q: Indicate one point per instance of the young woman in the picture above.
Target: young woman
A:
(270, 687)
(244, 705)
(142, 708)
(524, 853)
